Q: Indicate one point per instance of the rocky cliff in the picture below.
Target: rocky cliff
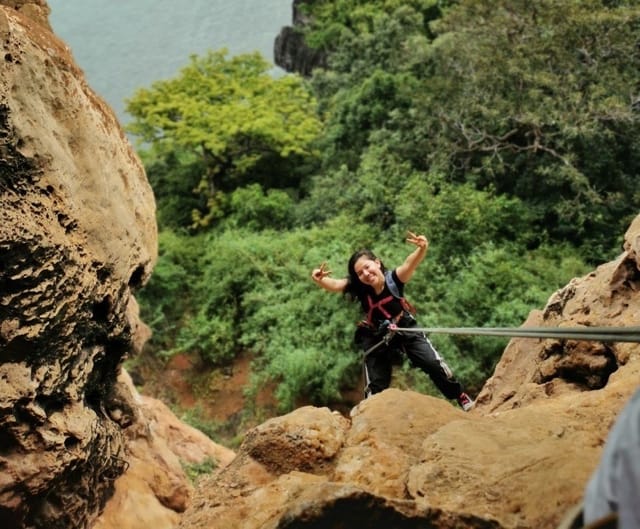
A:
(290, 51)
(520, 459)
(77, 237)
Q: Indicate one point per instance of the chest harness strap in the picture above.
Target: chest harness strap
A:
(380, 306)
(391, 285)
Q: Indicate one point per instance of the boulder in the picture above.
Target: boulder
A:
(291, 52)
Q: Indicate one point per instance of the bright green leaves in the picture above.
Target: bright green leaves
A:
(232, 114)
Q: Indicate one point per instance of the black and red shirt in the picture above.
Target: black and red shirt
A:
(383, 306)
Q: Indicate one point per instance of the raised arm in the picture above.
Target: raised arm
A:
(321, 277)
(405, 270)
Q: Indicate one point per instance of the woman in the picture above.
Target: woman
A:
(380, 292)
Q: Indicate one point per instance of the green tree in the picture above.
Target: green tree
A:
(231, 113)
(537, 101)
(256, 209)
(174, 178)
(332, 20)
(369, 192)
(370, 85)
(169, 298)
(460, 218)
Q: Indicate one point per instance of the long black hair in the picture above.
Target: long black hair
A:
(356, 289)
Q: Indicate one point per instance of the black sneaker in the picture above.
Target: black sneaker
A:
(465, 402)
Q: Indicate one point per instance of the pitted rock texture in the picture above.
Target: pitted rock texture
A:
(77, 237)
(519, 460)
(539, 369)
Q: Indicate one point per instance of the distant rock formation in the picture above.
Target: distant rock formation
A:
(290, 50)
(519, 459)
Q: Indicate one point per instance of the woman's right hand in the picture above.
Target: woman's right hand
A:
(320, 273)
(321, 277)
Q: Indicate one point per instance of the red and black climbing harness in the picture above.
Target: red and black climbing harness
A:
(372, 306)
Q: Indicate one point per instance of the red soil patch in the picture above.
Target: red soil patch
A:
(184, 383)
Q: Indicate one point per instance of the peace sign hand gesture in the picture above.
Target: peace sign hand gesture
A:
(419, 240)
(321, 277)
(319, 274)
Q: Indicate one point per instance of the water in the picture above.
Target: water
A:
(124, 45)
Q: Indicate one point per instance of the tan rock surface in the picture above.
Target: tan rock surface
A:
(77, 236)
(154, 490)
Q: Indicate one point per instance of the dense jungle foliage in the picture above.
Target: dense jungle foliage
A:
(506, 131)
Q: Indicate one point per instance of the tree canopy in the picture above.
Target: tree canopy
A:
(231, 115)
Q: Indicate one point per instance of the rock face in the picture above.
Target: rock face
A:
(520, 459)
(291, 52)
(531, 369)
(78, 236)
(154, 490)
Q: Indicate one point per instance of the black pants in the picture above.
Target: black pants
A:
(421, 353)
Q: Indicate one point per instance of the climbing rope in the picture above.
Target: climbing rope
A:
(594, 334)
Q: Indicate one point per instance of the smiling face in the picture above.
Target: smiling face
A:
(369, 272)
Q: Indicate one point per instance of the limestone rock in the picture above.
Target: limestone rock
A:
(77, 237)
(532, 369)
(290, 51)
(154, 490)
(37, 10)
(305, 441)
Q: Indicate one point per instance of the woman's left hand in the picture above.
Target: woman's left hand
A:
(419, 240)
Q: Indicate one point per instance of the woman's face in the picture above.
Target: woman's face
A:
(369, 271)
